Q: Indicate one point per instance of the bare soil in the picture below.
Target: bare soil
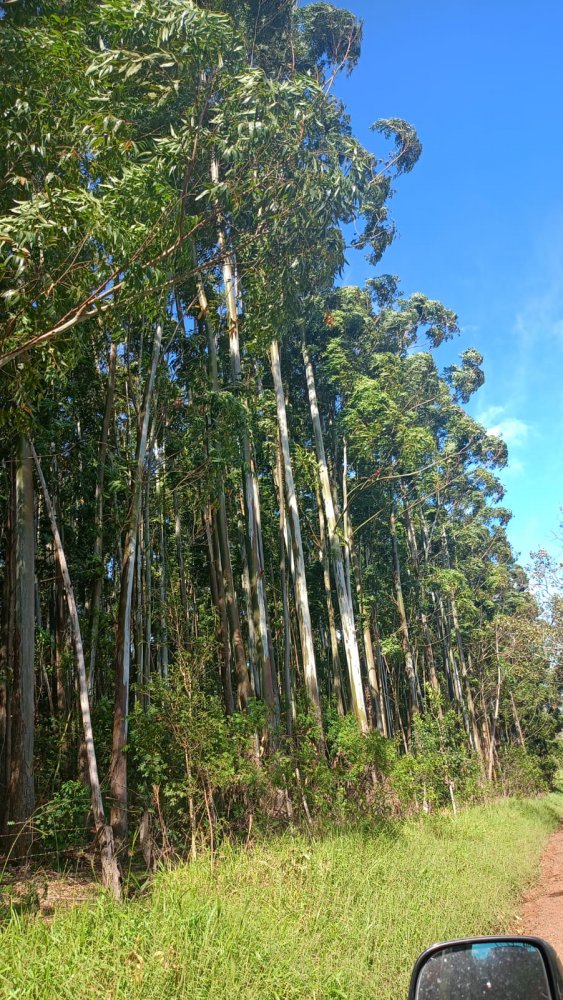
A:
(543, 904)
(44, 891)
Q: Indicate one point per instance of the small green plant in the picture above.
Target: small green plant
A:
(62, 821)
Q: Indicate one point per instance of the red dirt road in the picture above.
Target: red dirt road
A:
(543, 906)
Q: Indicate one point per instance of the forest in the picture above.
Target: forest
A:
(254, 563)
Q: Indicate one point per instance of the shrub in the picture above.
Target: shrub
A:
(62, 822)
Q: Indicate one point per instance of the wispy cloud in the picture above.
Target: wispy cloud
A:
(511, 429)
(514, 431)
(515, 467)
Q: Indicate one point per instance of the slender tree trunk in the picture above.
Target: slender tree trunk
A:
(255, 677)
(147, 563)
(403, 624)
(467, 702)
(341, 576)
(104, 835)
(421, 597)
(286, 553)
(21, 792)
(244, 687)
(96, 596)
(386, 713)
(138, 602)
(302, 598)
(8, 611)
(180, 556)
(160, 498)
(218, 594)
(250, 484)
(475, 737)
(496, 712)
(517, 723)
(118, 770)
(372, 671)
(286, 634)
(334, 652)
(346, 521)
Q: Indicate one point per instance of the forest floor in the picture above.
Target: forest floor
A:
(543, 908)
(338, 917)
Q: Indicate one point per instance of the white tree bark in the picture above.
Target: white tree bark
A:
(123, 642)
(302, 598)
(110, 871)
(342, 591)
(250, 482)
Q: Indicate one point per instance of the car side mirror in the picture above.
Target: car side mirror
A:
(498, 968)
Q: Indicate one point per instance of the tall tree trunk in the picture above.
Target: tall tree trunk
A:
(286, 554)
(469, 707)
(21, 792)
(244, 687)
(118, 769)
(346, 520)
(386, 713)
(333, 637)
(138, 626)
(104, 835)
(160, 499)
(8, 611)
(218, 595)
(96, 596)
(302, 597)
(250, 485)
(403, 624)
(180, 556)
(517, 722)
(421, 598)
(342, 590)
(371, 664)
(491, 762)
(147, 589)
(286, 632)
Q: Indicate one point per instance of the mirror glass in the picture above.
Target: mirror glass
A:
(498, 970)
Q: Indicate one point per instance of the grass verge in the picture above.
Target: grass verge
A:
(340, 918)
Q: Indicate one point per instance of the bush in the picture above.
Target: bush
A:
(439, 764)
(62, 822)
(523, 773)
(189, 763)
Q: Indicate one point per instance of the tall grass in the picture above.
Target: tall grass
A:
(342, 917)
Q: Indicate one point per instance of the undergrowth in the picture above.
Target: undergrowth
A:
(341, 917)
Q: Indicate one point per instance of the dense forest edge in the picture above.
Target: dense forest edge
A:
(254, 566)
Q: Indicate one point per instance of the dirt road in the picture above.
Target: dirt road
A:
(543, 907)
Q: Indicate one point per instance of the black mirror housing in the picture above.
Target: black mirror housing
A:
(497, 965)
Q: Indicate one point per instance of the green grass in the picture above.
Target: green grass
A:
(342, 917)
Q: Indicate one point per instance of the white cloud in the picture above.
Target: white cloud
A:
(511, 429)
(489, 415)
(515, 467)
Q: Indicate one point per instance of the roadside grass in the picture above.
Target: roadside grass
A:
(339, 918)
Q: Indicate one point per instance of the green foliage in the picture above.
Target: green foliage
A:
(438, 765)
(525, 773)
(184, 746)
(62, 821)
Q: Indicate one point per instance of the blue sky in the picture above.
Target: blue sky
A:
(480, 218)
